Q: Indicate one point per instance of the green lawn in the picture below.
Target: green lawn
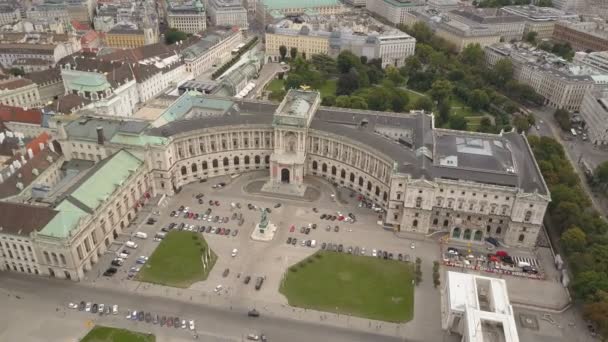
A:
(275, 84)
(473, 122)
(328, 88)
(106, 334)
(356, 285)
(177, 261)
(413, 96)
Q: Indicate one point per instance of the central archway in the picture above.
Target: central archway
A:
(285, 176)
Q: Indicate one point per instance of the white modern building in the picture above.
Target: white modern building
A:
(227, 13)
(478, 309)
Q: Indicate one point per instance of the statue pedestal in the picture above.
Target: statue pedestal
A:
(264, 234)
(284, 189)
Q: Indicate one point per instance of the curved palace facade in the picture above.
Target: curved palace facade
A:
(470, 185)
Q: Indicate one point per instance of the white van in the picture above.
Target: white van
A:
(131, 244)
(313, 243)
(141, 235)
(523, 264)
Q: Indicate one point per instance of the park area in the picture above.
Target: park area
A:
(361, 286)
(178, 261)
(106, 334)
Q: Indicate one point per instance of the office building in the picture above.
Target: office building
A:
(186, 16)
(227, 13)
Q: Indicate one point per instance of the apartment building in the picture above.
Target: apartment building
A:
(227, 13)
(128, 36)
(594, 112)
(362, 35)
(213, 49)
(19, 92)
(268, 11)
(539, 19)
(562, 84)
(186, 16)
(394, 10)
(507, 26)
(583, 36)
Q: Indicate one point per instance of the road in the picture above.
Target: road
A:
(576, 151)
(44, 295)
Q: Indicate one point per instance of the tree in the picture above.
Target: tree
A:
(531, 37)
(16, 71)
(358, 102)
(348, 83)
(565, 215)
(343, 101)
(294, 81)
(420, 31)
(283, 51)
(472, 55)
(563, 119)
(503, 70)
(393, 74)
(586, 284)
(328, 100)
(444, 110)
(441, 90)
(423, 103)
(412, 64)
(478, 99)
(346, 61)
(574, 239)
(293, 52)
(544, 3)
(521, 123)
(598, 313)
(485, 125)
(600, 175)
(458, 122)
(399, 100)
(172, 36)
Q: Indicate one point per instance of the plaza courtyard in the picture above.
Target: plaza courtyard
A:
(352, 285)
(106, 334)
(178, 260)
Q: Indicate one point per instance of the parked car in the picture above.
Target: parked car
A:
(148, 317)
(529, 269)
(323, 245)
(253, 313)
(235, 232)
(225, 273)
(258, 283)
(289, 240)
(307, 231)
(452, 250)
(384, 255)
(176, 322)
(508, 260)
(336, 229)
(340, 248)
(294, 241)
(110, 272)
(247, 279)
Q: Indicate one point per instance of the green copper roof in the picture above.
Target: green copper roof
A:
(64, 221)
(281, 4)
(186, 102)
(88, 194)
(402, 3)
(90, 83)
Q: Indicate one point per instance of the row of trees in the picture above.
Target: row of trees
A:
(580, 228)
(563, 50)
(217, 73)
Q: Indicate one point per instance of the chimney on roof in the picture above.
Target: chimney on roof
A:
(100, 135)
(20, 186)
(30, 153)
(41, 146)
(35, 172)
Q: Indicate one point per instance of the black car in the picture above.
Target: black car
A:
(253, 313)
(209, 229)
(258, 283)
(173, 213)
(390, 256)
(94, 308)
(165, 229)
(110, 272)
(141, 316)
(384, 255)
(289, 240)
(247, 280)
(176, 322)
(227, 232)
(307, 231)
(226, 272)
(323, 216)
(314, 226)
(336, 229)
(340, 248)
(308, 242)
(181, 226)
(181, 208)
(151, 221)
(529, 269)
(400, 257)
(202, 229)
(81, 306)
(116, 263)
(148, 317)
(294, 241)
(323, 245)
(507, 259)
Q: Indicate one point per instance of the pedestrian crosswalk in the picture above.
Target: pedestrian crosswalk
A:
(531, 261)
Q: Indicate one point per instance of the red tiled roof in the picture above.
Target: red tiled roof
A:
(89, 37)
(80, 26)
(18, 114)
(35, 144)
